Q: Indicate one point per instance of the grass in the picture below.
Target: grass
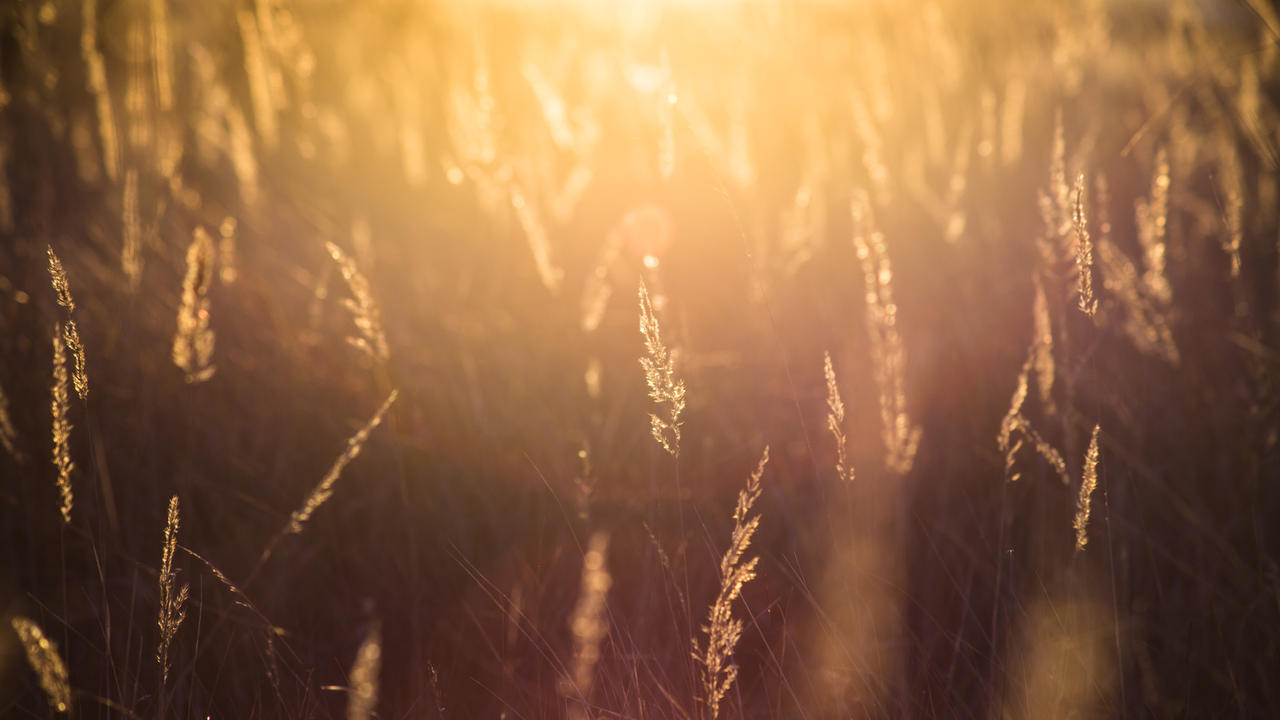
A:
(997, 284)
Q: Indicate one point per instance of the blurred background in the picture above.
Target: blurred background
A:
(460, 201)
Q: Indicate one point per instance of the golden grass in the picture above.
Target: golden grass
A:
(1087, 303)
(901, 436)
(1088, 482)
(61, 406)
(1015, 428)
(835, 420)
(371, 340)
(324, 490)
(42, 655)
(254, 105)
(665, 387)
(172, 603)
(193, 342)
(58, 277)
(723, 630)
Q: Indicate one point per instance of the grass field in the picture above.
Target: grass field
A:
(685, 359)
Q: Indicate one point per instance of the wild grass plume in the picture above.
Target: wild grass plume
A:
(324, 490)
(61, 407)
(665, 387)
(79, 377)
(364, 310)
(1088, 304)
(1142, 299)
(173, 600)
(835, 420)
(1015, 428)
(723, 630)
(901, 436)
(193, 342)
(42, 655)
(1088, 482)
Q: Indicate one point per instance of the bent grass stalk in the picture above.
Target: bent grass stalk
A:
(665, 388)
(365, 313)
(723, 630)
(324, 490)
(901, 436)
(172, 604)
(1088, 304)
(835, 420)
(1088, 482)
(58, 276)
(60, 406)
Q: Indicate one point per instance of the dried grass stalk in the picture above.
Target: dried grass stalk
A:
(1088, 304)
(1146, 321)
(1007, 439)
(172, 604)
(1088, 482)
(1016, 428)
(42, 655)
(61, 406)
(372, 340)
(665, 388)
(193, 343)
(723, 630)
(324, 490)
(58, 277)
(835, 420)
(901, 435)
